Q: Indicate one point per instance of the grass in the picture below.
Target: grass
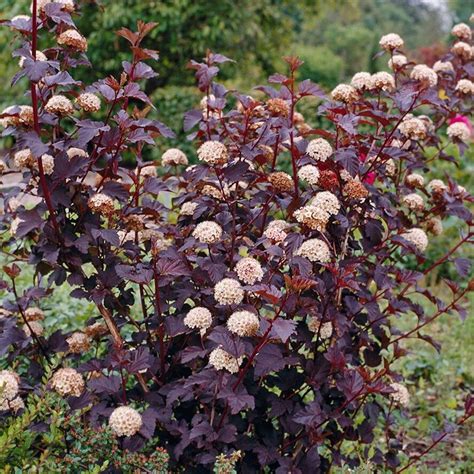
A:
(439, 384)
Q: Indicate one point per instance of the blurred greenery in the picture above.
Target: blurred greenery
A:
(335, 37)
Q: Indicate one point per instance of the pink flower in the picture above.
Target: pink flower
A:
(462, 119)
(370, 178)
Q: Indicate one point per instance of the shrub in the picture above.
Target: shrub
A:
(273, 363)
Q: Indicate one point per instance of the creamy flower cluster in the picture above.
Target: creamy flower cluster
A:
(9, 387)
(174, 157)
(400, 394)
(324, 329)
(249, 270)
(198, 318)
(73, 39)
(33, 328)
(465, 86)
(243, 323)
(188, 208)
(102, 204)
(397, 61)
(315, 250)
(228, 291)
(125, 421)
(443, 66)
(413, 128)
(383, 80)
(78, 343)
(309, 174)
(462, 31)
(213, 153)
(67, 382)
(459, 130)
(313, 217)
(424, 74)
(222, 360)
(88, 102)
(416, 237)
(319, 149)
(391, 41)
(327, 201)
(278, 106)
(276, 231)
(208, 232)
(415, 180)
(414, 202)
(59, 105)
(344, 93)
(463, 50)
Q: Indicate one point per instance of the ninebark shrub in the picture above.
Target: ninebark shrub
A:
(247, 305)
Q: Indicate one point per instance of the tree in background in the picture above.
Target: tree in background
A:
(344, 36)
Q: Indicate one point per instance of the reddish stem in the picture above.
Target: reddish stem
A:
(36, 126)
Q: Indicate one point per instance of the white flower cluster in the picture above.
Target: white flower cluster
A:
(34, 314)
(414, 202)
(72, 152)
(23, 159)
(228, 291)
(424, 74)
(415, 180)
(67, 382)
(313, 217)
(100, 203)
(413, 128)
(459, 130)
(33, 327)
(208, 232)
(315, 250)
(324, 329)
(383, 80)
(437, 186)
(309, 174)
(327, 201)
(73, 39)
(249, 270)
(125, 421)
(462, 31)
(362, 81)
(391, 41)
(198, 318)
(443, 66)
(344, 93)
(243, 323)
(319, 149)
(9, 387)
(400, 394)
(463, 50)
(174, 157)
(78, 343)
(435, 225)
(213, 153)
(397, 61)
(465, 86)
(417, 237)
(88, 102)
(59, 105)
(220, 360)
(188, 208)
(276, 231)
